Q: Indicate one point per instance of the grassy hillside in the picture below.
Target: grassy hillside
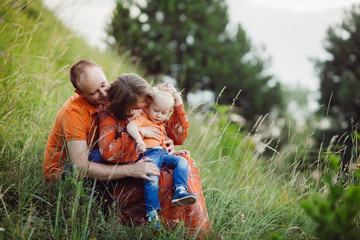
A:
(36, 52)
(245, 195)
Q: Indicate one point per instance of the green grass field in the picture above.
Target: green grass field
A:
(248, 195)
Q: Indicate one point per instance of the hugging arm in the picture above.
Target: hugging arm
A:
(177, 126)
(78, 152)
(178, 123)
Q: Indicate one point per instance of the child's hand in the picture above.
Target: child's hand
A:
(140, 146)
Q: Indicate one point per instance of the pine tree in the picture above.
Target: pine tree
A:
(340, 75)
(188, 41)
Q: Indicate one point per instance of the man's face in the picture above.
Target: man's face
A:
(158, 113)
(94, 87)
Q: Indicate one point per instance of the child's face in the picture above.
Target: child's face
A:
(158, 113)
(142, 102)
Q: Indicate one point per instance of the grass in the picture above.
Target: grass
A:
(249, 195)
(246, 198)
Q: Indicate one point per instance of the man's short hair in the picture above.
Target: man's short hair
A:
(79, 68)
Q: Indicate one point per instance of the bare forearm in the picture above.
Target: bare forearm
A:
(140, 169)
(133, 131)
(106, 172)
(78, 152)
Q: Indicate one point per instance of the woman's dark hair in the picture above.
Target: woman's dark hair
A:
(124, 93)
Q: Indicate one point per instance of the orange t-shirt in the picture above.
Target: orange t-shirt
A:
(143, 120)
(76, 120)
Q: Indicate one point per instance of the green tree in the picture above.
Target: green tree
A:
(340, 75)
(188, 41)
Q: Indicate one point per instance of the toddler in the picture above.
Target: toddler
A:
(163, 99)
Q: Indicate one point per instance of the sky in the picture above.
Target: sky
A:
(291, 31)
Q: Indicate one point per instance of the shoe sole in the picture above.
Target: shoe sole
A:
(188, 200)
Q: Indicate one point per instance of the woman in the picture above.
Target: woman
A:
(128, 93)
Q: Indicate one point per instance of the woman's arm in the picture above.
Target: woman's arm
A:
(178, 123)
(115, 144)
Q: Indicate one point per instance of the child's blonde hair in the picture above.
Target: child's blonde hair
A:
(160, 97)
(124, 93)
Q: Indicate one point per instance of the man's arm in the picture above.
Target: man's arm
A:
(79, 151)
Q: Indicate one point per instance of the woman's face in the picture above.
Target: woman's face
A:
(142, 102)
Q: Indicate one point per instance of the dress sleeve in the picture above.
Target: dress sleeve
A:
(177, 125)
(115, 143)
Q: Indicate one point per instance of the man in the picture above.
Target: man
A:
(75, 131)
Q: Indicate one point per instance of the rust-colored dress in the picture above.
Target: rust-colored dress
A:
(117, 146)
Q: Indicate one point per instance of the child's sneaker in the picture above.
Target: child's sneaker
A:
(153, 219)
(182, 197)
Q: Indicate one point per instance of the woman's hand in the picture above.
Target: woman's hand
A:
(167, 87)
(170, 145)
(182, 153)
(171, 89)
(150, 132)
(143, 168)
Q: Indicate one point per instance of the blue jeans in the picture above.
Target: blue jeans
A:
(161, 158)
(95, 156)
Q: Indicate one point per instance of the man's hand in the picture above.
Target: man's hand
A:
(143, 168)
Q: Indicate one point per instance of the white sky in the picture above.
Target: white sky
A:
(301, 6)
(292, 31)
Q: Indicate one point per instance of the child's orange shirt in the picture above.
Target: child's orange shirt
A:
(143, 120)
